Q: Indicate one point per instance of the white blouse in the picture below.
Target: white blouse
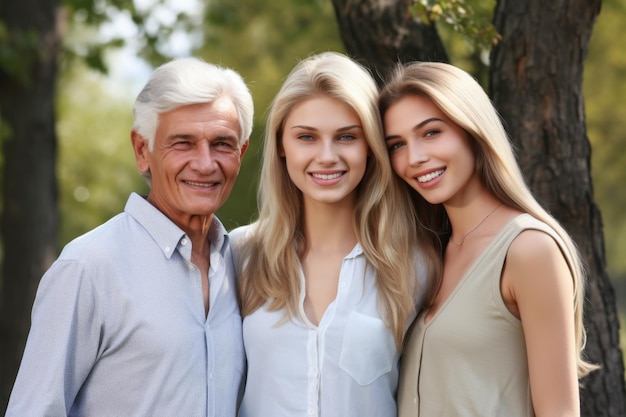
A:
(347, 366)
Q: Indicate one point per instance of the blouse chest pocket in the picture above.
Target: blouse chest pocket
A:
(368, 349)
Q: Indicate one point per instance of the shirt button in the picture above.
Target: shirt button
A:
(311, 411)
(183, 241)
(167, 249)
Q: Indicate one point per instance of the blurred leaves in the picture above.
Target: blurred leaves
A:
(96, 167)
(604, 88)
(465, 17)
(152, 26)
(19, 50)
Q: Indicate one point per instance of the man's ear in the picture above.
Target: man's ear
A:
(142, 151)
(244, 147)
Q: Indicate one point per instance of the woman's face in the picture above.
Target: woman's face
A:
(429, 151)
(325, 150)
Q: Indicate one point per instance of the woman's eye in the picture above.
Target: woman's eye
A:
(393, 146)
(305, 137)
(431, 133)
(347, 137)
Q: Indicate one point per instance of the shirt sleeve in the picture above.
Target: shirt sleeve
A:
(62, 345)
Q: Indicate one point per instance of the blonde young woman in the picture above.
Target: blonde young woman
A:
(503, 334)
(330, 275)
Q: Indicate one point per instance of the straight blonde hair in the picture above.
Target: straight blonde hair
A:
(463, 100)
(385, 225)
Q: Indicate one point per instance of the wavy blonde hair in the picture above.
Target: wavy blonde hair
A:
(464, 101)
(384, 221)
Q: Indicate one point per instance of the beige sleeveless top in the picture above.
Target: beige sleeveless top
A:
(470, 359)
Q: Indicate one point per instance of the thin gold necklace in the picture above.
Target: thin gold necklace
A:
(475, 227)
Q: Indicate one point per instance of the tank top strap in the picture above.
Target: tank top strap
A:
(500, 245)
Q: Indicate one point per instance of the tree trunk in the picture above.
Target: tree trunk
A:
(29, 191)
(536, 84)
(384, 33)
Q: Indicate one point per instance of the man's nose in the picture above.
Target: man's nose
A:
(203, 159)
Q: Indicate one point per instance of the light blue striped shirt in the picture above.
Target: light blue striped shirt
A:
(118, 326)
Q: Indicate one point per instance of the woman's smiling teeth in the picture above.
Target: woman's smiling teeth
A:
(327, 176)
(430, 176)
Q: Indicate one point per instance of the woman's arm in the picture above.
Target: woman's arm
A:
(538, 285)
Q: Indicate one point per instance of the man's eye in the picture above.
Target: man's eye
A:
(224, 145)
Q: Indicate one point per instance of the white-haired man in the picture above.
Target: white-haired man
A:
(139, 316)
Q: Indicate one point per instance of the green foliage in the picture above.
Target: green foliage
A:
(21, 48)
(5, 132)
(96, 168)
(82, 41)
(19, 51)
(464, 17)
(622, 331)
(465, 51)
(85, 39)
(604, 90)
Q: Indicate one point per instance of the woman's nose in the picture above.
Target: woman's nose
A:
(417, 154)
(327, 151)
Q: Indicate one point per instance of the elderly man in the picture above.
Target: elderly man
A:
(139, 316)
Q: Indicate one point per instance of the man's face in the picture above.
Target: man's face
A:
(195, 160)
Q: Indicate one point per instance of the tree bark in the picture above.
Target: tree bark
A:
(29, 190)
(382, 33)
(536, 84)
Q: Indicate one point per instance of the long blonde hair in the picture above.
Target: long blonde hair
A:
(464, 101)
(383, 219)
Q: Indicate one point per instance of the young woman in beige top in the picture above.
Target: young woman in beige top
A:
(503, 334)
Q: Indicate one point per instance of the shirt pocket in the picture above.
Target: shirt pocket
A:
(368, 349)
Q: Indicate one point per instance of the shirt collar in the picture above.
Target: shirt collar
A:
(165, 232)
(355, 252)
(218, 235)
